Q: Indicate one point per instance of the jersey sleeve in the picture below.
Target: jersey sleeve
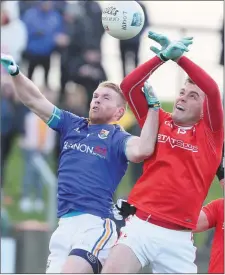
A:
(119, 142)
(211, 210)
(132, 88)
(213, 109)
(61, 120)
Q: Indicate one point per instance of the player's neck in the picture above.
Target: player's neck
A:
(101, 123)
(185, 126)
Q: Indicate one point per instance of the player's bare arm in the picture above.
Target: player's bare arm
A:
(140, 148)
(27, 91)
(202, 223)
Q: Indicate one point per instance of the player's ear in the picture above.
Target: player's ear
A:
(120, 112)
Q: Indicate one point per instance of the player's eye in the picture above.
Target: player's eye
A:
(193, 96)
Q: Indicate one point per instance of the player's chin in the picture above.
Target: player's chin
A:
(178, 117)
(96, 118)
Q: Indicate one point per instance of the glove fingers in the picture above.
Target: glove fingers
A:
(6, 61)
(5, 57)
(148, 89)
(157, 37)
(186, 42)
(154, 49)
(188, 38)
(153, 35)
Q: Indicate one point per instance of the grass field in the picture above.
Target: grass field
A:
(14, 178)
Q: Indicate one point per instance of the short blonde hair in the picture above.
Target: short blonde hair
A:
(116, 88)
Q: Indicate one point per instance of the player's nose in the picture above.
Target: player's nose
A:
(183, 98)
(97, 101)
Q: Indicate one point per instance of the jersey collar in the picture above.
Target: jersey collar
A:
(111, 123)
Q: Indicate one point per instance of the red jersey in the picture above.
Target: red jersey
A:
(215, 215)
(177, 177)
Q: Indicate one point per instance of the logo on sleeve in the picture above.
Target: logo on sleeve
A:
(103, 134)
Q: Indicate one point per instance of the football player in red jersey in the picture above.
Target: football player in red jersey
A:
(212, 216)
(169, 195)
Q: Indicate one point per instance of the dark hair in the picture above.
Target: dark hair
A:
(189, 80)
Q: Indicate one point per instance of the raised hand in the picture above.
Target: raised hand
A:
(9, 64)
(175, 50)
(163, 40)
(150, 96)
(167, 51)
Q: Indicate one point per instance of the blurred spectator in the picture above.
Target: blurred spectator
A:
(81, 60)
(6, 225)
(91, 72)
(75, 101)
(129, 49)
(38, 139)
(60, 6)
(13, 31)
(7, 124)
(25, 5)
(12, 120)
(91, 11)
(43, 23)
(72, 45)
(222, 44)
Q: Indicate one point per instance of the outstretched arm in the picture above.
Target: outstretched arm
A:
(132, 87)
(213, 110)
(27, 91)
(30, 96)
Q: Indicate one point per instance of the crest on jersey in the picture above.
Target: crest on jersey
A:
(103, 134)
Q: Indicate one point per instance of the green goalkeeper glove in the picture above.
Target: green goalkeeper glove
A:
(174, 51)
(9, 64)
(169, 50)
(159, 38)
(150, 96)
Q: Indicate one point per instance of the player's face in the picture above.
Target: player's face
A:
(188, 106)
(105, 107)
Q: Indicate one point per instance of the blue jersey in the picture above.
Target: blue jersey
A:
(91, 165)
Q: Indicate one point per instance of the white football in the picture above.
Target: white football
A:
(122, 19)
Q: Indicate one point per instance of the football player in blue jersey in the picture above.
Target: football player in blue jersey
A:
(94, 158)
